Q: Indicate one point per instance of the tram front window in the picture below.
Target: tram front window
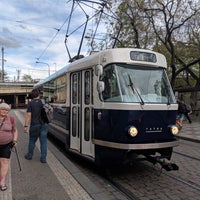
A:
(139, 84)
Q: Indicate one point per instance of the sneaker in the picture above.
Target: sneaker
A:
(27, 157)
(3, 187)
(43, 161)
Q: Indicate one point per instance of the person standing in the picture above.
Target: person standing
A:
(38, 128)
(183, 110)
(188, 111)
(8, 140)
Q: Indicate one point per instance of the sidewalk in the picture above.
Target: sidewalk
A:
(190, 132)
(57, 179)
(36, 180)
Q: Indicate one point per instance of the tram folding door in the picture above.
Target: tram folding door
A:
(81, 103)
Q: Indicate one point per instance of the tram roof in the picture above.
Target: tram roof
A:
(53, 76)
(117, 55)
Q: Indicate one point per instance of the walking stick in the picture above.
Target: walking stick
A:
(20, 169)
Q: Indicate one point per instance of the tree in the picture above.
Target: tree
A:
(131, 29)
(5, 76)
(170, 20)
(27, 78)
(170, 27)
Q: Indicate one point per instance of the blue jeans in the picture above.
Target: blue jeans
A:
(181, 116)
(38, 131)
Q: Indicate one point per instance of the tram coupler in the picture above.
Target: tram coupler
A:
(170, 166)
(165, 165)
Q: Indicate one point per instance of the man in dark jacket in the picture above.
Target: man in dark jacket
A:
(38, 128)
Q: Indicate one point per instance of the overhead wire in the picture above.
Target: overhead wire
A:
(85, 23)
(66, 35)
(73, 7)
(101, 12)
(58, 30)
(24, 22)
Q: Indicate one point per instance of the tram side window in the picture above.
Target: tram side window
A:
(75, 113)
(75, 88)
(87, 87)
(87, 124)
(48, 90)
(111, 91)
(59, 95)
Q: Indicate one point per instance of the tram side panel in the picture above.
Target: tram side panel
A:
(59, 127)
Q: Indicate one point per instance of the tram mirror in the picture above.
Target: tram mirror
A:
(100, 86)
(98, 70)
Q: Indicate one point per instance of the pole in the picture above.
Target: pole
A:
(20, 169)
(2, 71)
(49, 96)
(45, 64)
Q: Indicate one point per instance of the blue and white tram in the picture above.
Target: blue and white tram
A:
(113, 105)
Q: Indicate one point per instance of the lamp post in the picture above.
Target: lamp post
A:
(45, 64)
(3, 60)
(49, 95)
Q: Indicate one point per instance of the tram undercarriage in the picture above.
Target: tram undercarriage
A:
(161, 157)
(116, 157)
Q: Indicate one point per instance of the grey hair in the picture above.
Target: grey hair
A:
(4, 106)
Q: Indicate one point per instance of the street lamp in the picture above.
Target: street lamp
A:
(3, 60)
(49, 95)
(45, 64)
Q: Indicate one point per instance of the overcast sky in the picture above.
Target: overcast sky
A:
(34, 30)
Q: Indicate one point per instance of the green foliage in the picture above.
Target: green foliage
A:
(27, 78)
(5, 76)
(170, 27)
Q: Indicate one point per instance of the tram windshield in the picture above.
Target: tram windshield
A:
(139, 84)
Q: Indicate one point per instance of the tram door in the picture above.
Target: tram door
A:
(81, 112)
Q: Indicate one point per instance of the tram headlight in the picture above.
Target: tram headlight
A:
(174, 129)
(132, 131)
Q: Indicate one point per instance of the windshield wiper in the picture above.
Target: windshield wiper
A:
(167, 93)
(134, 89)
(168, 96)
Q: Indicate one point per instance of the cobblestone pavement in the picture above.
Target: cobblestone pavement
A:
(52, 181)
(191, 131)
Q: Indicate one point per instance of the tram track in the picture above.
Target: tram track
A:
(185, 182)
(124, 191)
(185, 151)
(188, 149)
(187, 156)
(130, 195)
(181, 180)
(132, 183)
(96, 173)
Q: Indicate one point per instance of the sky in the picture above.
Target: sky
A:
(34, 31)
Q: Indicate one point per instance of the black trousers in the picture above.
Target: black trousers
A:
(188, 117)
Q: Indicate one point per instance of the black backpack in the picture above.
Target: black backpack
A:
(183, 108)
